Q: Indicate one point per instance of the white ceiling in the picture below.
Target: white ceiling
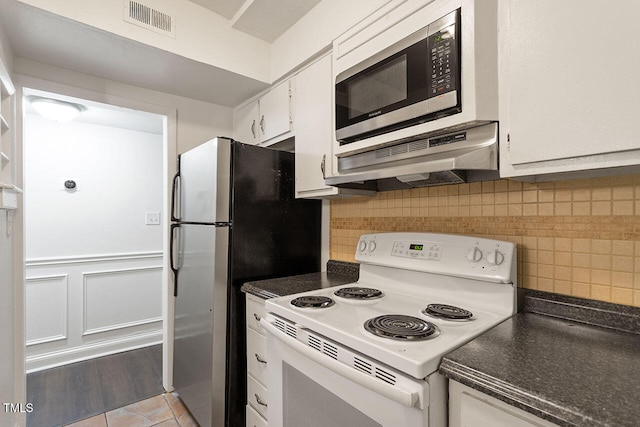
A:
(105, 115)
(226, 8)
(45, 37)
(264, 19)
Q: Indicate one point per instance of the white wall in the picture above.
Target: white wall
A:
(197, 121)
(118, 173)
(93, 268)
(316, 31)
(201, 35)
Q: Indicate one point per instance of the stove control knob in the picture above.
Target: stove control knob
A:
(362, 246)
(495, 257)
(372, 246)
(474, 255)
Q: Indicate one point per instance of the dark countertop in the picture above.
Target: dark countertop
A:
(338, 273)
(549, 362)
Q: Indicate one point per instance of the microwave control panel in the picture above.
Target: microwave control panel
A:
(443, 54)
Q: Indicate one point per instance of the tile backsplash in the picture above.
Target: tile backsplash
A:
(575, 237)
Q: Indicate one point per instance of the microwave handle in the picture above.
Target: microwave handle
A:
(323, 167)
(393, 392)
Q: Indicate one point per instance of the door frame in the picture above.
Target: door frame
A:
(169, 168)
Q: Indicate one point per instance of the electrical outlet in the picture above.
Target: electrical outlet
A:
(152, 218)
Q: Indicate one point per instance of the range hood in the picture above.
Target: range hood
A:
(458, 156)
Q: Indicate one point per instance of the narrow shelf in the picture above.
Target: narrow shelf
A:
(10, 187)
(5, 80)
(9, 196)
(3, 123)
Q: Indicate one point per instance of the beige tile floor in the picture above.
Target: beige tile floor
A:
(165, 410)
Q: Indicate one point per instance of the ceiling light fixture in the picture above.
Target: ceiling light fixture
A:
(55, 109)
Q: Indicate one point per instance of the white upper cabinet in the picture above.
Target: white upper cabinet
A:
(569, 98)
(266, 120)
(313, 128)
(276, 117)
(245, 123)
(314, 133)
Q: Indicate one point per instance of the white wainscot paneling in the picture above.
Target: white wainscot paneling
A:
(83, 307)
(46, 309)
(119, 299)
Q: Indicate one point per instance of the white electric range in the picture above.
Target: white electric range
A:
(372, 348)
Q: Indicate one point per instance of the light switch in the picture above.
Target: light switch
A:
(152, 218)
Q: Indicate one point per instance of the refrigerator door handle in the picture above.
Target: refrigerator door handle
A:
(174, 266)
(174, 193)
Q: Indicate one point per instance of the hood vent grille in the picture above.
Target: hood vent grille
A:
(147, 17)
(402, 148)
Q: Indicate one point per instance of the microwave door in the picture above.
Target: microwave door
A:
(382, 94)
(413, 81)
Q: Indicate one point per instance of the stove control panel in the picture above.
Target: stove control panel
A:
(417, 249)
(455, 255)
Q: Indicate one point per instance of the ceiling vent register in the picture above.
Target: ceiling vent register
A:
(147, 17)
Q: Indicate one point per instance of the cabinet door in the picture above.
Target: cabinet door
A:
(314, 128)
(254, 419)
(257, 356)
(257, 396)
(254, 312)
(275, 112)
(567, 97)
(246, 123)
(471, 408)
(476, 412)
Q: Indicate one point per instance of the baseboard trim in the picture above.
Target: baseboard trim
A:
(90, 351)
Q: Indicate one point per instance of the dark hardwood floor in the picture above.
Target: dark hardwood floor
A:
(73, 392)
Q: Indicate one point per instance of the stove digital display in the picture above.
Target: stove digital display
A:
(416, 247)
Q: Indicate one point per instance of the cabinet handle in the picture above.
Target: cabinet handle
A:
(262, 124)
(260, 402)
(253, 128)
(260, 359)
(322, 165)
(255, 316)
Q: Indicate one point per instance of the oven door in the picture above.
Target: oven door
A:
(311, 386)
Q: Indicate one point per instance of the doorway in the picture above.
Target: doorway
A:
(94, 231)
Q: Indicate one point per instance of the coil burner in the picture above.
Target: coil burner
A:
(356, 292)
(402, 328)
(312, 301)
(448, 312)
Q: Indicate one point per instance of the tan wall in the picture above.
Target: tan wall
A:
(576, 237)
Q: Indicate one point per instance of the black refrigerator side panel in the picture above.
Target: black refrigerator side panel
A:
(273, 234)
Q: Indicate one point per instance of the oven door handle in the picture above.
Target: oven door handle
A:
(394, 392)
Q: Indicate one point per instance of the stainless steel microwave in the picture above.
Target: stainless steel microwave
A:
(417, 79)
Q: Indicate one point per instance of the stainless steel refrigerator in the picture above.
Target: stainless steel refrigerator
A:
(235, 219)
